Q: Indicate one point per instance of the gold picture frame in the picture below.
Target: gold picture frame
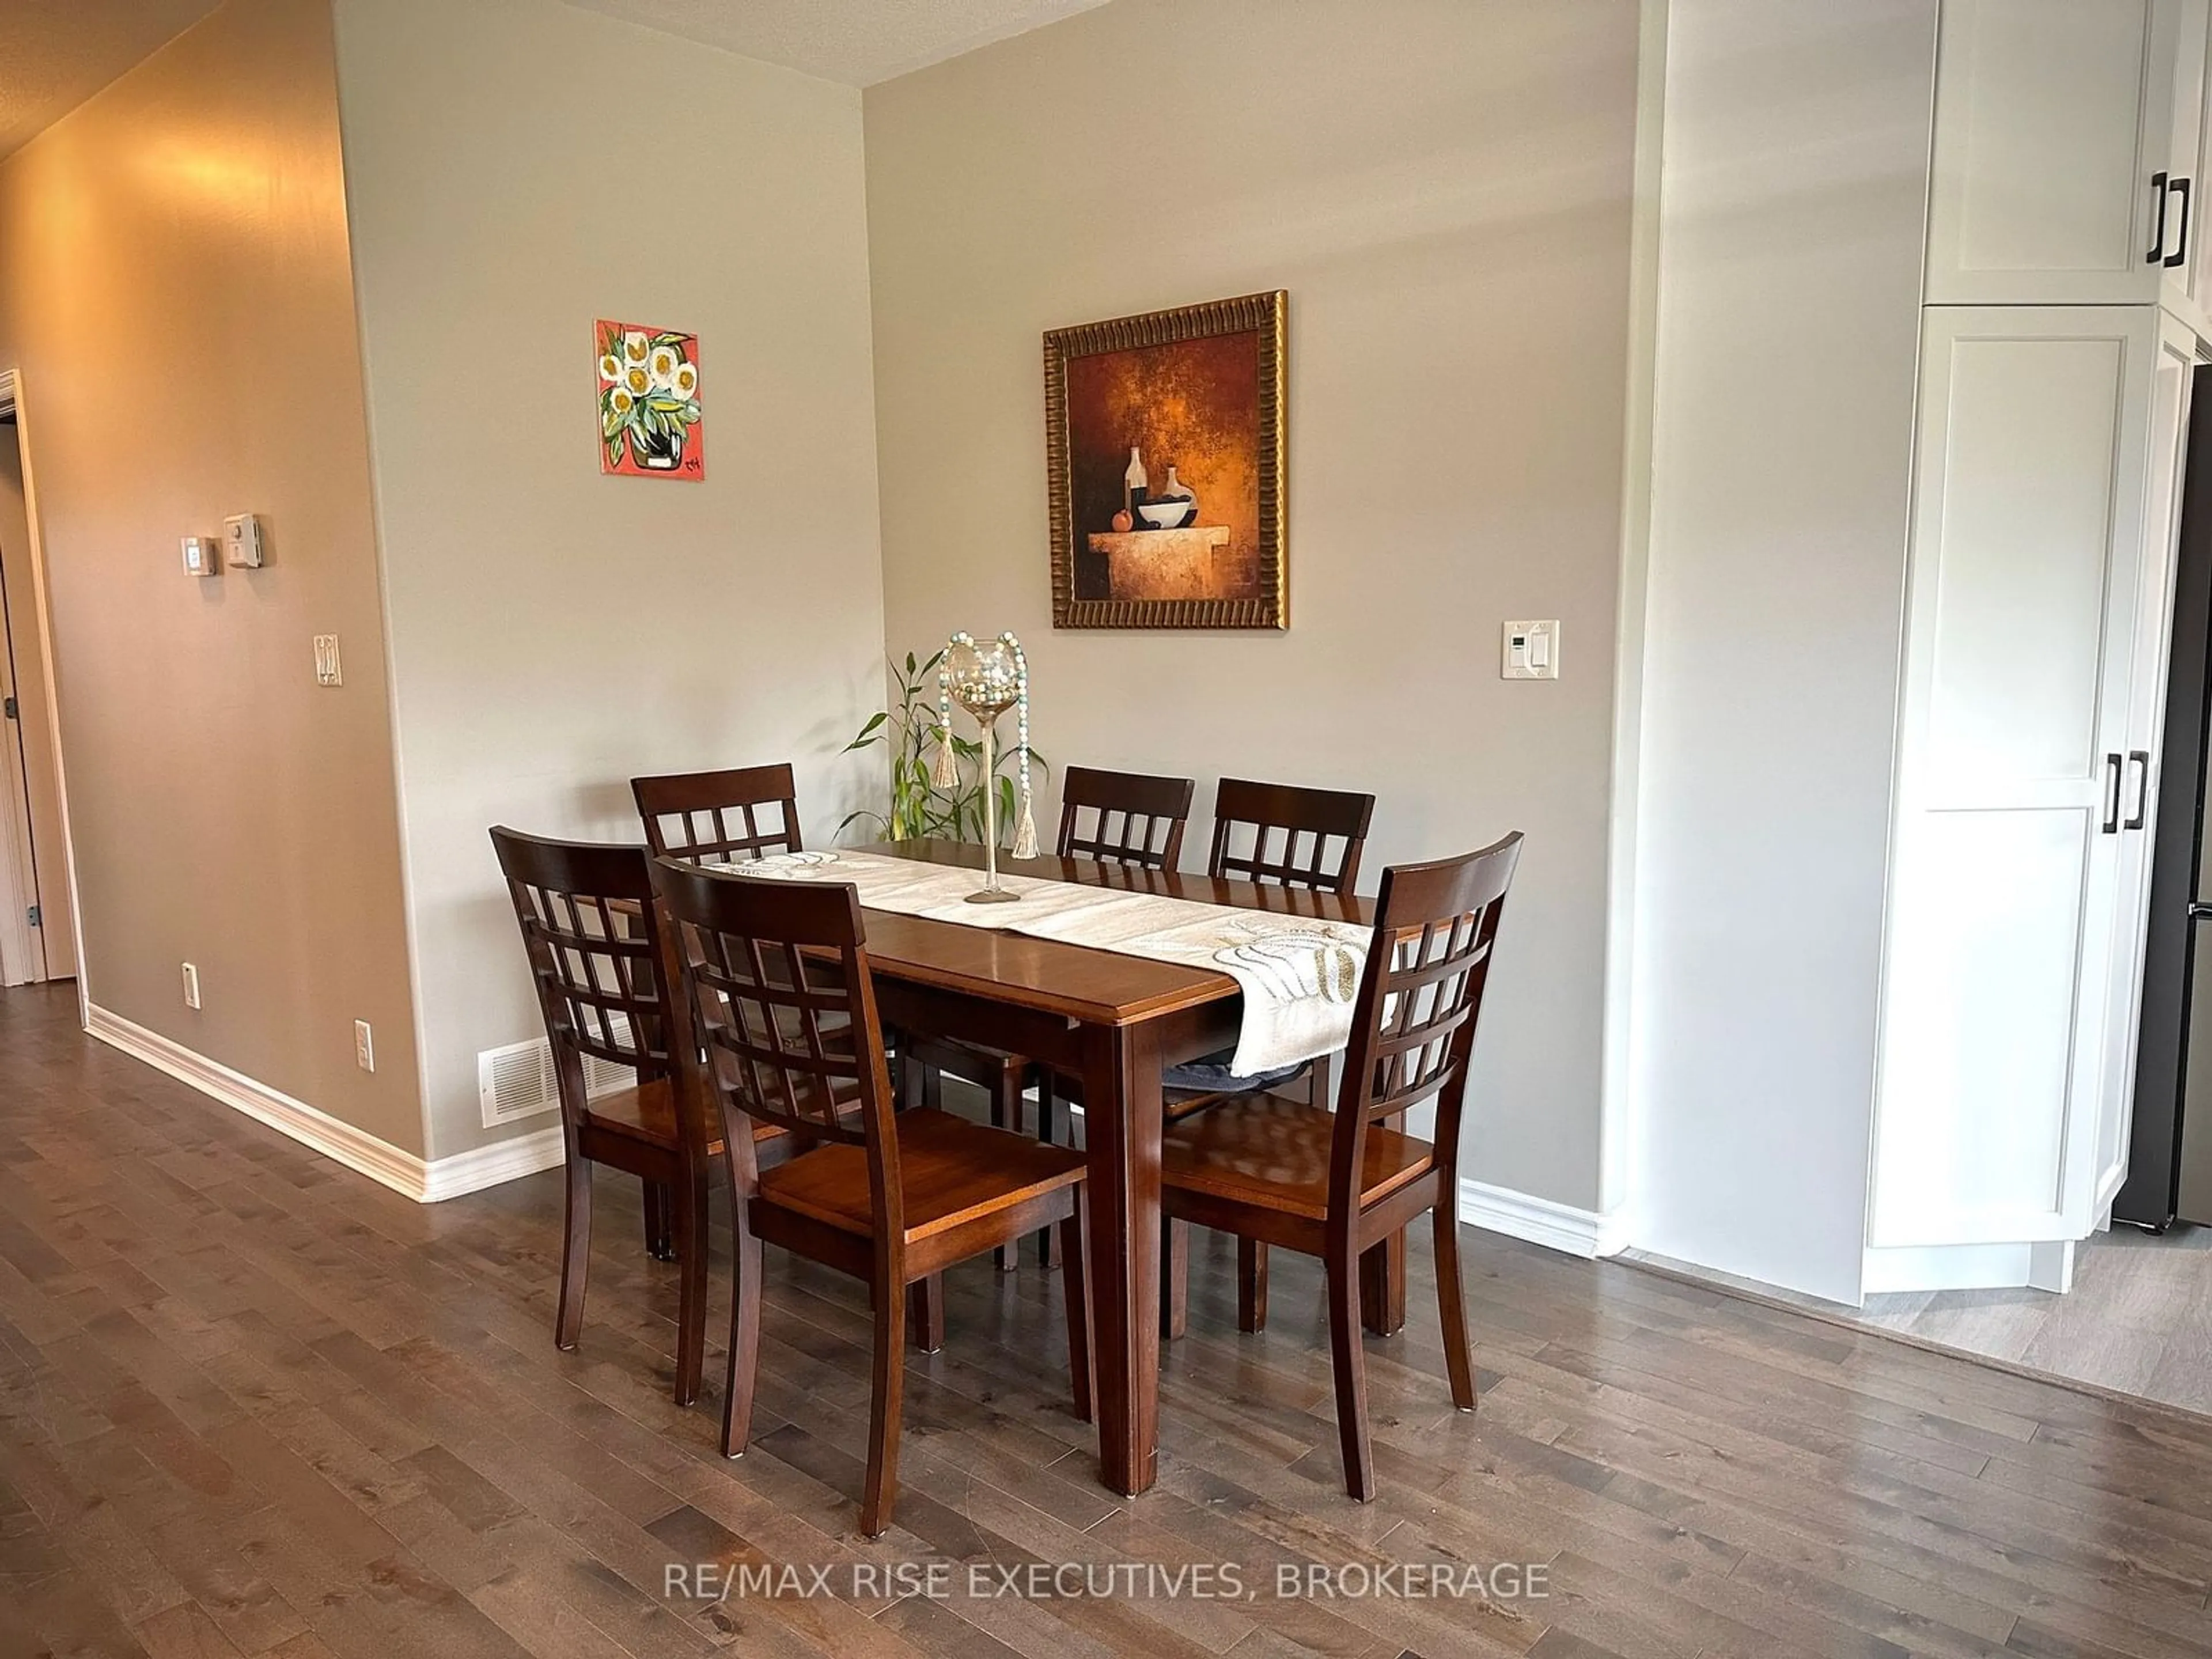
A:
(1203, 388)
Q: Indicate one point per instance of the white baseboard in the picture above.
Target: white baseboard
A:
(341, 1142)
(1585, 1233)
(1966, 1267)
(494, 1165)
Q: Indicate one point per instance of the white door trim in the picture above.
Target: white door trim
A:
(12, 393)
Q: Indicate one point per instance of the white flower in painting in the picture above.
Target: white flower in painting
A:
(663, 362)
(621, 402)
(636, 381)
(635, 344)
(684, 382)
(611, 367)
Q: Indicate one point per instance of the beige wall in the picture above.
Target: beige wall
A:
(1444, 189)
(174, 286)
(555, 632)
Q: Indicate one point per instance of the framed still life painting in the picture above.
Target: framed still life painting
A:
(649, 421)
(1165, 444)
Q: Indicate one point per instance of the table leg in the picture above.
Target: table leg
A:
(1121, 1092)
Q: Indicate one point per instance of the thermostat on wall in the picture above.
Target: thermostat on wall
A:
(201, 558)
(241, 541)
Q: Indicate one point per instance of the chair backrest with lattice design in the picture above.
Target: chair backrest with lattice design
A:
(586, 911)
(1134, 818)
(779, 998)
(1434, 928)
(1281, 835)
(720, 817)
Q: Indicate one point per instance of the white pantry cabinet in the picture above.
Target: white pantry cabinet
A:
(2178, 356)
(2066, 290)
(2022, 620)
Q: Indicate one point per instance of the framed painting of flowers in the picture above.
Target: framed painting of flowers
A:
(649, 421)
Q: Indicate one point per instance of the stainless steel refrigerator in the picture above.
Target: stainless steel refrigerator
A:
(2170, 1156)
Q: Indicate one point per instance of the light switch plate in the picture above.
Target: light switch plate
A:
(203, 556)
(1529, 651)
(328, 670)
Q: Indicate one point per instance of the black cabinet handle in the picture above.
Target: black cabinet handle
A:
(2181, 253)
(2141, 761)
(2158, 236)
(2112, 795)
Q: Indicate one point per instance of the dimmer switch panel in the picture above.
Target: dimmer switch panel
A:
(1531, 651)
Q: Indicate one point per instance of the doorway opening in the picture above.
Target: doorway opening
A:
(37, 930)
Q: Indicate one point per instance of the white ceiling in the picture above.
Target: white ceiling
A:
(859, 42)
(54, 54)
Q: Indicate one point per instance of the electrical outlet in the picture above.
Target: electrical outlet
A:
(364, 1046)
(327, 668)
(191, 986)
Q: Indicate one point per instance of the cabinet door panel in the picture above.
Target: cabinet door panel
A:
(2022, 617)
(2025, 534)
(2041, 188)
(1986, 947)
(2182, 35)
(2153, 623)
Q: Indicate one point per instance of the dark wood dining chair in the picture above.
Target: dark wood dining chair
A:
(778, 994)
(734, 815)
(586, 910)
(1123, 817)
(1337, 1186)
(1273, 835)
(728, 817)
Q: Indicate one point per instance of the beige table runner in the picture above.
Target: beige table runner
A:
(1300, 974)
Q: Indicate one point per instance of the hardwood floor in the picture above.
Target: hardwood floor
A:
(250, 1403)
(2138, 1320)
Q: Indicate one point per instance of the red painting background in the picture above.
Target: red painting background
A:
(693, 463)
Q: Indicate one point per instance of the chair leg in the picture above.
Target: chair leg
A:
(1251, 1284)
(885, 1406)
(1075, 1284)
(1349, 1361)
(690, 1201)
(1175, 1280)
(927, 1297)
(745, 1291)
(575, 1253)
(659, 1241)
(1006, 1113)
(1459, 1355)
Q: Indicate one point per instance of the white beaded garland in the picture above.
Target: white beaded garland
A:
(1021, 720)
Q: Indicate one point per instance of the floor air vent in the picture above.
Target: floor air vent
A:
(519, 1081)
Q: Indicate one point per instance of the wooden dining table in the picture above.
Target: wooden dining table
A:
(1114, 1021)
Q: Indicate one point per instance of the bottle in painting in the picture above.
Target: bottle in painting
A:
(1134, 482)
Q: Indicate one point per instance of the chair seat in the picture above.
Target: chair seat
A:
(1213, 1076)
(1270, 1153)
(951, 1170)
(647, 1114)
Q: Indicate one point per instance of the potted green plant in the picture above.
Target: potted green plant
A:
(918, 807)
